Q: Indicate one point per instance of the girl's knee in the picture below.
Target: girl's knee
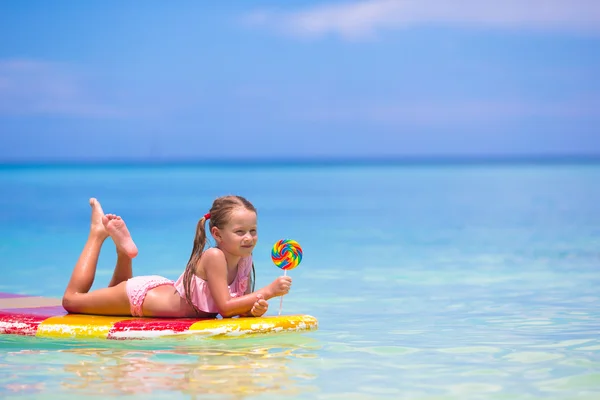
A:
(70, 303)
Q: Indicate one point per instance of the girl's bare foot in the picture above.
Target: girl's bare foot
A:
(97, 227)
(119, 233)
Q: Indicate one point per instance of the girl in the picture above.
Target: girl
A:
(214, 282)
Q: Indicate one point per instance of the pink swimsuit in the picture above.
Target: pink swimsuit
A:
(138, 287)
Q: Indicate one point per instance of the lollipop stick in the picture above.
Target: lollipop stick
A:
(281, 300)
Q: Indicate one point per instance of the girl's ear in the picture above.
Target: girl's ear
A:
(214, 231)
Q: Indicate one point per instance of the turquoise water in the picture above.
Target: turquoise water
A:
(429, 282)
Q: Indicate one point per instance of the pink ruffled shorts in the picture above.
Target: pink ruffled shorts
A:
(138, 287)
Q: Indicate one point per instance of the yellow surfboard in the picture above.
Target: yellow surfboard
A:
(45, 317)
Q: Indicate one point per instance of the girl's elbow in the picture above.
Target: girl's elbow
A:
(226, 312)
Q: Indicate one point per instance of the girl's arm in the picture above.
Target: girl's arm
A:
(215, 268)
(248, 291)
(259, 307)
(279, 287)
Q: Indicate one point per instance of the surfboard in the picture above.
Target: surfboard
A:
(45, 317)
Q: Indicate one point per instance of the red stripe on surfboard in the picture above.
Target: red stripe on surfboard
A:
(20, 324)
(150, 325)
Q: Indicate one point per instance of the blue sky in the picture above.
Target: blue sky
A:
(84, 80)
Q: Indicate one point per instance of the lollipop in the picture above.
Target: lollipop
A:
(286, 254)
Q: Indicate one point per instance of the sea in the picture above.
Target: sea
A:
(430, 280)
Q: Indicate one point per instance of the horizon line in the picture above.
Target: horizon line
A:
(531, 159)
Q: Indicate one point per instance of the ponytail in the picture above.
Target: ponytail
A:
(190, 269)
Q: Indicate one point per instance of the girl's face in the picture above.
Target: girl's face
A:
(239, 235)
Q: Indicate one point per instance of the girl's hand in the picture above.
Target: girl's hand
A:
(260, 306)
(281, 286)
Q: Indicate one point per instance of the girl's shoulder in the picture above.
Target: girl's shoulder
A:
(211, 258)
(214, 253)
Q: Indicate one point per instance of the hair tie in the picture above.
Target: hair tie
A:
(207, 216)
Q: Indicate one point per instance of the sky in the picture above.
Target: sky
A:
(156, 80)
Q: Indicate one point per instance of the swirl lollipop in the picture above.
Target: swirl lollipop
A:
(286, 254)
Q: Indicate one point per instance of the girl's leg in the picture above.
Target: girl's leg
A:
(123, 270)
(84, 272)
(105, 301)
(126, 248)
(108, 301)
(116, 228)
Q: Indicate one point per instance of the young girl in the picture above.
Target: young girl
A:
(215, 281)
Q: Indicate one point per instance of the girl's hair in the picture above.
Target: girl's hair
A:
(219, 216)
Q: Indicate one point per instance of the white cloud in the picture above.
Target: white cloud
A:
(29, 87)
(364, 18)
